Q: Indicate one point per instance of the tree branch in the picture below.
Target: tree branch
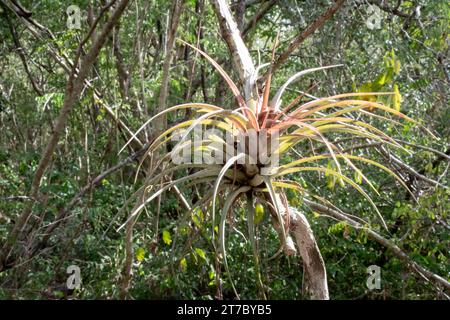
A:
(380, 4)
(399, 253)
(265, 8)
(164, 88)
(63, 213)
(73, 89)
(320, 21)
(232, 36)
(38, 31)
(314, 266)
(21, 53)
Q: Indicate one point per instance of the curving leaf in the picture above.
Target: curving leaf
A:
(226, 208)
(276, 101)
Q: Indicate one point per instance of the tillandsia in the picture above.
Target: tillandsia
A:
(263, 126)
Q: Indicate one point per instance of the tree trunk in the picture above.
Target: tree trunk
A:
(314, 266)
(164, 89)
(232, 36)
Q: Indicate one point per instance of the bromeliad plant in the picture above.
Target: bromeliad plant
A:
(255, 181)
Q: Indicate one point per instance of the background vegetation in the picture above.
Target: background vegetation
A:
(384, 46)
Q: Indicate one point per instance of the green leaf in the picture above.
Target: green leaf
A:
(357, 177)
(259, 213)
(166, 237)
(429, 167)
(362, 236)
(198, 218)
(337, 227)
(379, 82)
(183, 264)
(140, 254)
(397, 98)
(200, 253)
(331, 182)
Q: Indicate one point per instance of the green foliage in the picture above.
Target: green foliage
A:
(174, 255)
(166, 237)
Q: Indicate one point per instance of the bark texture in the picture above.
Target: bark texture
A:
(240, 54)
(314, 266)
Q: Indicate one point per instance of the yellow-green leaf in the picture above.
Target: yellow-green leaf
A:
(259, 213)
(397, 98)
(379, 82)
(200, 253)
(367, 87)
(140, 254)
(337, 227)
(397, 66)
(357, 177)
(166, 237)
(331, 181)
(198, 218)
(183, 264)
(330, 167)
